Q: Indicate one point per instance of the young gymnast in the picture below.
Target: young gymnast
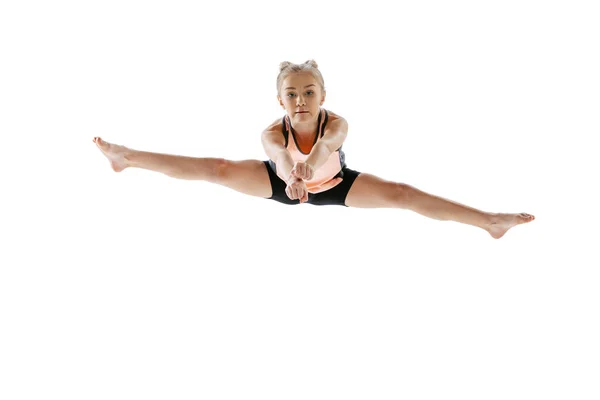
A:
(306, 163)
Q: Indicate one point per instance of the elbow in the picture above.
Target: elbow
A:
(274, 152)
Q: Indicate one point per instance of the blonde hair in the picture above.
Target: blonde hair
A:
(286, 68)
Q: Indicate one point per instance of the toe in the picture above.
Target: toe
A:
(527, 217)
(102, 144)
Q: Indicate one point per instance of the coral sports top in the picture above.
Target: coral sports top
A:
(331, 173)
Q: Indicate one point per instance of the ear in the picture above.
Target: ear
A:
(323, 98)
(280, 102)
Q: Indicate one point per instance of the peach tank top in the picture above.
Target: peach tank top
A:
(331, 173)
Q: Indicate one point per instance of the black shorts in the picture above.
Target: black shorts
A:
(335, 196)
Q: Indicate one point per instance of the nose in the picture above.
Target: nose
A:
(300, 101)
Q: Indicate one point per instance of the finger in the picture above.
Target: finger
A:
(305, 197)
(310, 172)
(302, 173)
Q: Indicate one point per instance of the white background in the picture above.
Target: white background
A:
(140, 286)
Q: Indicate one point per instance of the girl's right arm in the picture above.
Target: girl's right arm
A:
(274, 145)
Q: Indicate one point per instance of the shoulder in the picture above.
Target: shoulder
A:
(336, 122)
(333, 117)
(273, 133)
(275, 126)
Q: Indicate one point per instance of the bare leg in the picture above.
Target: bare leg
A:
(370, 191)
(180, 167)
(246, 176)
(443, 209)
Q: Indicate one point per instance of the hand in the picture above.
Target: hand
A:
(303, 171)
(296, 189)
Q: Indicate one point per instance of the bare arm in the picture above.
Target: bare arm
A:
(332, 139)
(274, 145)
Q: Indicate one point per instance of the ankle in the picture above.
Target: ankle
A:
(131, 157)
(492, 219)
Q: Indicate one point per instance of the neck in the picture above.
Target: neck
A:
(305, 128)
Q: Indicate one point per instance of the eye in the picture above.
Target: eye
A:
(291, 94)
(310, 92)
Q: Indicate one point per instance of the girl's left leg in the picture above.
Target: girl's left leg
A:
(370, 191)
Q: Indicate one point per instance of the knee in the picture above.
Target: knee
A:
(403, 194)
(221, 170)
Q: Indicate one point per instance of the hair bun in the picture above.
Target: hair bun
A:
(312, 63)
(283, 65)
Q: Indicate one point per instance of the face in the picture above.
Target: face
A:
(301, 97)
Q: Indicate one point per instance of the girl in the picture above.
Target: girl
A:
(306, 163)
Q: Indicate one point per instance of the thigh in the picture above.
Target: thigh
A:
(247, 176)
(370, 191)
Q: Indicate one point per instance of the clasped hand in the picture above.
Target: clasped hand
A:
(296, 187)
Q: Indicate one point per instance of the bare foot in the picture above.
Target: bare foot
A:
(114, 153)
(503, 222)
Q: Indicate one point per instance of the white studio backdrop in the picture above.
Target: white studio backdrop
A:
(138, 285)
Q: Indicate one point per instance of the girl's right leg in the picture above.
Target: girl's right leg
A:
(248, 176)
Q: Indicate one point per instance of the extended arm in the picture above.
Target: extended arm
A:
(332, 139)
(274, 145)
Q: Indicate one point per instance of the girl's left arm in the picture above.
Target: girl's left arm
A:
(333, 138)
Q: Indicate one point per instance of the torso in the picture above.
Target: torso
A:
(304, 139)
(300, 143)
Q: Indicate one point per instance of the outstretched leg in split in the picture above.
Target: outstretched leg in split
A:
(370, 191)
(247, 176)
